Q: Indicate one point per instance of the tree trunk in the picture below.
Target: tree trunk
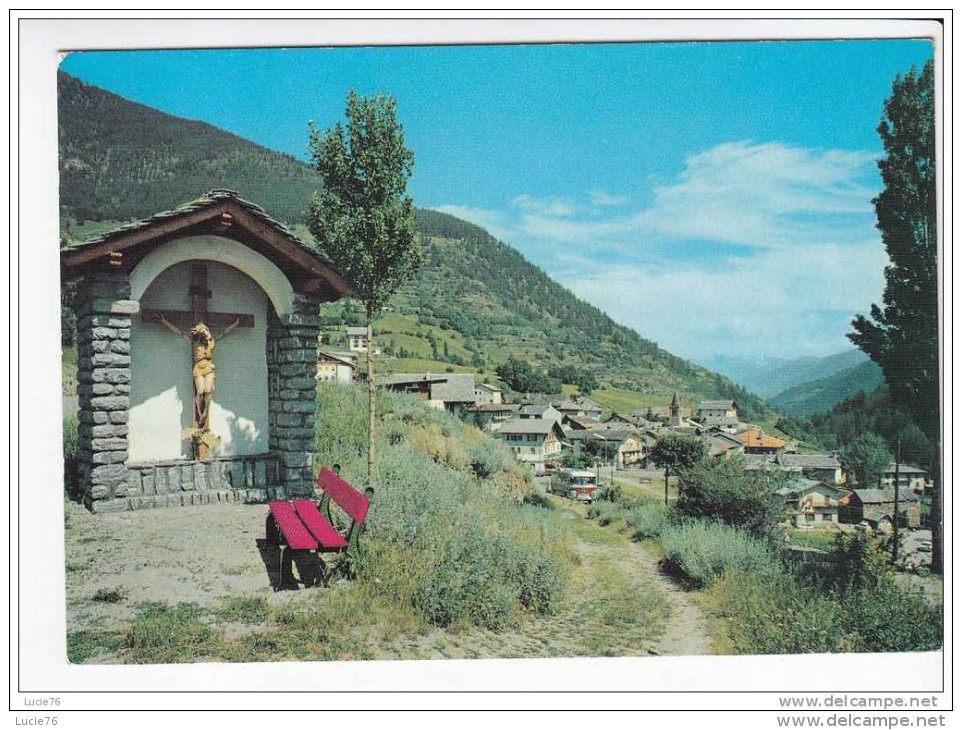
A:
(666, 485)
(371, 400)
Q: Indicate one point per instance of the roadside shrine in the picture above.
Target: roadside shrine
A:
(197, 335)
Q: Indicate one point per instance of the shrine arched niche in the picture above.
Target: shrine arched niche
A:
(161, 413)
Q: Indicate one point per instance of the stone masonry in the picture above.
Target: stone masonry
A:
(292, 394)
(103, 383)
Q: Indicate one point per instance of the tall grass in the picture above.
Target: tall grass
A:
(447, 535)
(777, 614)
(647, 519)
(702, 551)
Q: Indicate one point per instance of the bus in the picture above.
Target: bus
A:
(574, 484)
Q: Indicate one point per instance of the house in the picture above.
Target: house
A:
(757, 442)
(338, 367)
(811, 502)
(873, 505)
(579, 423)
(579, 406)
(532, 440)
(453, 392)
(487, 393)
(540, 412)
(911, 478)
(613, 444)
(491, 416)
(357, 339)
(723, 444)
(823, 467)
(636, 419)
(623, 446)
(717, 413)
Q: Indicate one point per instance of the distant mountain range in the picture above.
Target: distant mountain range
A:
(805, 385)
(475, 302)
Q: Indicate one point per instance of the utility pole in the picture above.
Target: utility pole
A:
(895, 517)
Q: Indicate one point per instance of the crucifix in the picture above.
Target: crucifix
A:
(202, 343)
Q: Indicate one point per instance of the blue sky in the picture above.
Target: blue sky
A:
(714, 196)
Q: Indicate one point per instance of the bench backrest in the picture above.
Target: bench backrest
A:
(347, 497)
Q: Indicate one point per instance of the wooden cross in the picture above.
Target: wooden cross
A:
(201, 436)
(199, 294)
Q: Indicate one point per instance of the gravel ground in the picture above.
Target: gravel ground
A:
(118, 562)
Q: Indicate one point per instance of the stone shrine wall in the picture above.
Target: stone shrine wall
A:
(110, 483)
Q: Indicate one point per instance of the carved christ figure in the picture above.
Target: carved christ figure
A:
(202, 344)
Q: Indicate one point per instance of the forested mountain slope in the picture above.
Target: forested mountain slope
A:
(475, 302)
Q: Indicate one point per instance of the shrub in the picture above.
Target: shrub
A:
(606, 513)
(448, 537)
(703, 551)
(538, 499)
(610, 493)
(647, 519)
(890, 618)
(723, 490)
(487, 459)
(110, 595)
(577, 461)
(774, 614)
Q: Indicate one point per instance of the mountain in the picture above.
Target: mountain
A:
(769, 376)
(820, 395)
(125, 161)
(475, 303)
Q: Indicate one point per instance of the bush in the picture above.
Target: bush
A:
(610, 493)
(723, 490)
(703, 551)
(538, 499)
(606, 512)
(774, 614)
(480, 577)
(855, 607)
(647, 519)
(447, 534)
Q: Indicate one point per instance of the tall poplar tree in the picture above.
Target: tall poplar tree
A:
(362, 218)
(902, 335)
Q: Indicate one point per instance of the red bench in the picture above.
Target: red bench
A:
(299, 525)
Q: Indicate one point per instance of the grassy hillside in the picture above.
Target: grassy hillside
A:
(820, 395)
(475, 302)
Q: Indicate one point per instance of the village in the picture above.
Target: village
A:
(549, 433)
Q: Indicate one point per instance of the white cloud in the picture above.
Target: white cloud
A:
(552, 207)
(785, 302)
(802, 219)
(602, 199)
(761, 195)
(494, 221)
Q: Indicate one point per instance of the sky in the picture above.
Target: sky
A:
(716, 197)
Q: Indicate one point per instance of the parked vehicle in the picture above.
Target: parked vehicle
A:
(574, 484)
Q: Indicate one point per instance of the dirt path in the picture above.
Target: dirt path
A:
(618, 603)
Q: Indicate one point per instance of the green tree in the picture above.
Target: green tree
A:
(902, 335)
(721, 489)
(362, 218)
(866, 458)
(674, 452)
